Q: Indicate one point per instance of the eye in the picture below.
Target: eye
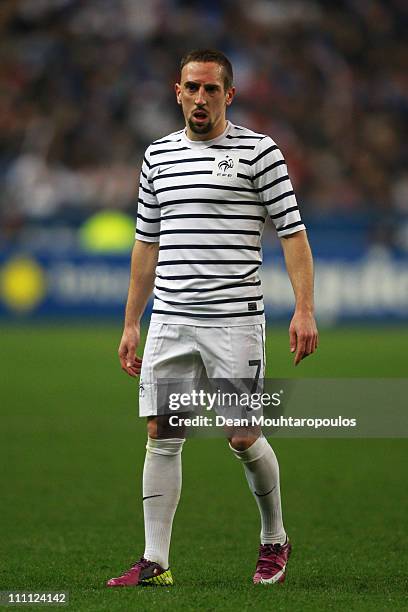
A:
(211, 88)
(191, 86)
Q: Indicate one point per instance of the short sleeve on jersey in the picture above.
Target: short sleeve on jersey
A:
(148, 209)
(270, 177)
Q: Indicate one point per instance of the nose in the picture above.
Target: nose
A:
(200, 97)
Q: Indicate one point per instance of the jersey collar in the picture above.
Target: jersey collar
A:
(203, 144)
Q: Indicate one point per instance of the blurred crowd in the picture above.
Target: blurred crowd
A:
(85, 85)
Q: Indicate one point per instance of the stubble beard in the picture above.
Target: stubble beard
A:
(200, 129)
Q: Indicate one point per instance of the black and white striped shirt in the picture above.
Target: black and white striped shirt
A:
(206, 203)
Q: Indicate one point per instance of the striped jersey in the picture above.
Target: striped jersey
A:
(206, 202)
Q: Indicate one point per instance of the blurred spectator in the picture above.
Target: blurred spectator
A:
(85, 86)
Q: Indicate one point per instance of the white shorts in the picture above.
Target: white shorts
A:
(186, 352)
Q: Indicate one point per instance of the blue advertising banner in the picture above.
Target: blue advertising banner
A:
(369, 287)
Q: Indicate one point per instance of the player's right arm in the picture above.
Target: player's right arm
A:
(143, 269)
(142, 274)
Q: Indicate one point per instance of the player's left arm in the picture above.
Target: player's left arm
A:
(273, 185)
(303, 334)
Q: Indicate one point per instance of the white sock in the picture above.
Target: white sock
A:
(161, 493)
(262, 473)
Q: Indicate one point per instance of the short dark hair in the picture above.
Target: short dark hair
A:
(210, 55)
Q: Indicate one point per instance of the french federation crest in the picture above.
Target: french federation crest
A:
(226, 164)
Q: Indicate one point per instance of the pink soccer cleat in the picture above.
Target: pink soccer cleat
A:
(141, 573)
(272, 561)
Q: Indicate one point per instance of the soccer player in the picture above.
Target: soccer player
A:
(205, 192)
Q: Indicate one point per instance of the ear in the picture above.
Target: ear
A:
(177, 89)
(230, 96)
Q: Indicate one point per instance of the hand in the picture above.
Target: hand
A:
(127, 351)
(303, 335)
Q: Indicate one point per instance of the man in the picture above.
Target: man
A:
(205, 192)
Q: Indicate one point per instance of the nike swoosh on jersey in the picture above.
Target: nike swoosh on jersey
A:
(161, 170)
(149, 496)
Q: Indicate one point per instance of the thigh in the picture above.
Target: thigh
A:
(170, 354)
(234, 359)
(233, 352)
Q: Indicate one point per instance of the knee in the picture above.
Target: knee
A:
(152, 429)
(158, 427)
(242, 443)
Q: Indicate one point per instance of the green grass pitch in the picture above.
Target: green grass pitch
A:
(72, 454)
